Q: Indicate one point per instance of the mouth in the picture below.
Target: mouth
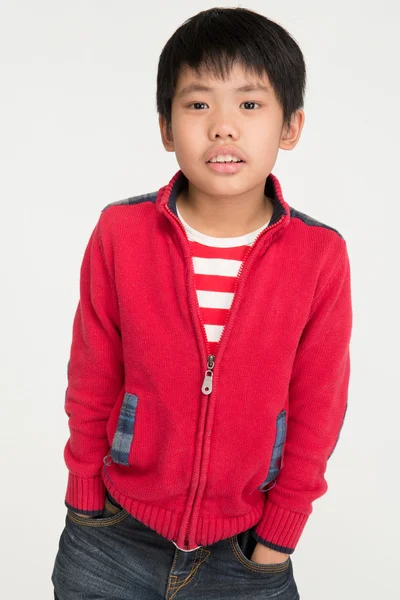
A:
(229, 167)
(225, 162)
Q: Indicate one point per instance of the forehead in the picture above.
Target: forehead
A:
(236, 77)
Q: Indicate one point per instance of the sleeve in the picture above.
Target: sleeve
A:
(95, 377)
(318, 393)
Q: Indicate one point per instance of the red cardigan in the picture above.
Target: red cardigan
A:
(197, 446)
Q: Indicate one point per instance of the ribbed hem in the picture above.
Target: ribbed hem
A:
(280, 529)
(85, 495)
(168, 524)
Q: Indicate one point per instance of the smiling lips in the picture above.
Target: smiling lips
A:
(219, 152)
(225, 158)
(225, 167)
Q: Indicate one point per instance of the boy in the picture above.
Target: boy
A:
(209, 367)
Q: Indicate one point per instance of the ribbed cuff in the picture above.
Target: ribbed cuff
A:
(85, 495)
(279, 529)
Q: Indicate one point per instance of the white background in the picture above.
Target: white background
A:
(79, 129)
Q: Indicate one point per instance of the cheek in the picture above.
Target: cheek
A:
(189, 138)
(265, 140)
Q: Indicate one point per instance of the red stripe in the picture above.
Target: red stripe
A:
(215, 283)
(202, 251)
(214, 316)
(213, 347)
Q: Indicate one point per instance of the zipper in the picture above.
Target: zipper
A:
(206, 388)
(208, 376)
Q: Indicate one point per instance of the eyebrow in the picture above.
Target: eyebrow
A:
(198, 87)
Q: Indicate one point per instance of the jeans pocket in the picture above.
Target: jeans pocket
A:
(242, 546)
(112, 514)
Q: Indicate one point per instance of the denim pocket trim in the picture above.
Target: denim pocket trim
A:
(111, 516)
(123, 437)
(253, 566)
(276, 462)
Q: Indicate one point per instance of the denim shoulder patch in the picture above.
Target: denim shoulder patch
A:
(297, 214)
(150, 197)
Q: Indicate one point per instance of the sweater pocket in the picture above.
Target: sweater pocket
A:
(123, 437)
(276, 462)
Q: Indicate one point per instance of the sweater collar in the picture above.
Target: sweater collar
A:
(168, 194)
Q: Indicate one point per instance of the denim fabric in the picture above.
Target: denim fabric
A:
(117, 557)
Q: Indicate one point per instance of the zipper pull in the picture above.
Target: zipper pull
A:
(206, 388)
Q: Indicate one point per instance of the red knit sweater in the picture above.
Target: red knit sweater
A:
(201, 446)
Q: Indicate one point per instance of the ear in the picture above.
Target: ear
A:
(166, 134)
(291, 134)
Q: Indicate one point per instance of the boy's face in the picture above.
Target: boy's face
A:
(251, 121)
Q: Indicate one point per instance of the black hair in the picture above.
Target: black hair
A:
(214, 39)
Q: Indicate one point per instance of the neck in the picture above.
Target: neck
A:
(225, 216)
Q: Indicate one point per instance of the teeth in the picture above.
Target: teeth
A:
(222, 158)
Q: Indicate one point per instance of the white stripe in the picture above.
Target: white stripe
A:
(214, 332)
(214, 299)
(216, 266)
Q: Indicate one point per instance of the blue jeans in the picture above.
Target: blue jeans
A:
(117, 557)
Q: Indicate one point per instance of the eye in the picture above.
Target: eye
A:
(248, 102)
(195, 103)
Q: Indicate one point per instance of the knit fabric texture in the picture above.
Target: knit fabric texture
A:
(252, 450)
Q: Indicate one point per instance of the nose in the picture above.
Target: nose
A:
(223, 127)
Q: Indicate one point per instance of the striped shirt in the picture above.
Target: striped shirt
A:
(216, 263)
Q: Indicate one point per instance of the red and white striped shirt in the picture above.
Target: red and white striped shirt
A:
(216, 263)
